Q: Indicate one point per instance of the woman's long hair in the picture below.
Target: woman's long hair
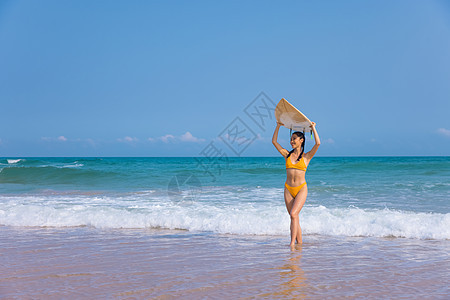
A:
(302, 136)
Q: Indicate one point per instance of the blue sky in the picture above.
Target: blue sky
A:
(168, 78)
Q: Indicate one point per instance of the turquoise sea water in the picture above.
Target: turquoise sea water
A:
(348, 196)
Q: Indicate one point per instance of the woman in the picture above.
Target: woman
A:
(295, 190)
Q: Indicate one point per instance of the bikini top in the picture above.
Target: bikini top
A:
(299, 165)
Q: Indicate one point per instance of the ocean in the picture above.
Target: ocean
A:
(364, 218)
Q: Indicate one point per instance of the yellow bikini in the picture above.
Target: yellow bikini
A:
(300, 166)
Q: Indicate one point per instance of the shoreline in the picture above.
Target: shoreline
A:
(161, 263)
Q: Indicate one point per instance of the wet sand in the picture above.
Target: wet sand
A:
(91, 263)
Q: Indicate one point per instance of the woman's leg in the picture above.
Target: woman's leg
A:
(289, 200)
(297, 205)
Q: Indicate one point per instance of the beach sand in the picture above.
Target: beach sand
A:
(83, 262)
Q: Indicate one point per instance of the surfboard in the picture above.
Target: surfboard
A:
(291, 117)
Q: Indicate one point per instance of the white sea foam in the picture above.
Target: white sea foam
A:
(258, 218)
(74, 165)
(379, 223)
(13, 161)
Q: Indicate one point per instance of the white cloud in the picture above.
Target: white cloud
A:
(188, 137)
(259, 137)
(60, 138)
(240, 140)
(444, 132)
(167, 138)
(128, 139)
(329, 141)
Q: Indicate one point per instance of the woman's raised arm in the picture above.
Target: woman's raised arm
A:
(314, 149)
(280, 149)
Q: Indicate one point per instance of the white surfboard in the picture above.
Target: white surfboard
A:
(291, 117)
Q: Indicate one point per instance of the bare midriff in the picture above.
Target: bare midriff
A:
(295, 177)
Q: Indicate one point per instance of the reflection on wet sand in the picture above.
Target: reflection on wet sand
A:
(292, 278)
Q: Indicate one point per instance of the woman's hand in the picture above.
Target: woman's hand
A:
(280, 124)
(313, 125)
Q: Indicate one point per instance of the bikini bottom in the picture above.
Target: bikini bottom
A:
(294, 189)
